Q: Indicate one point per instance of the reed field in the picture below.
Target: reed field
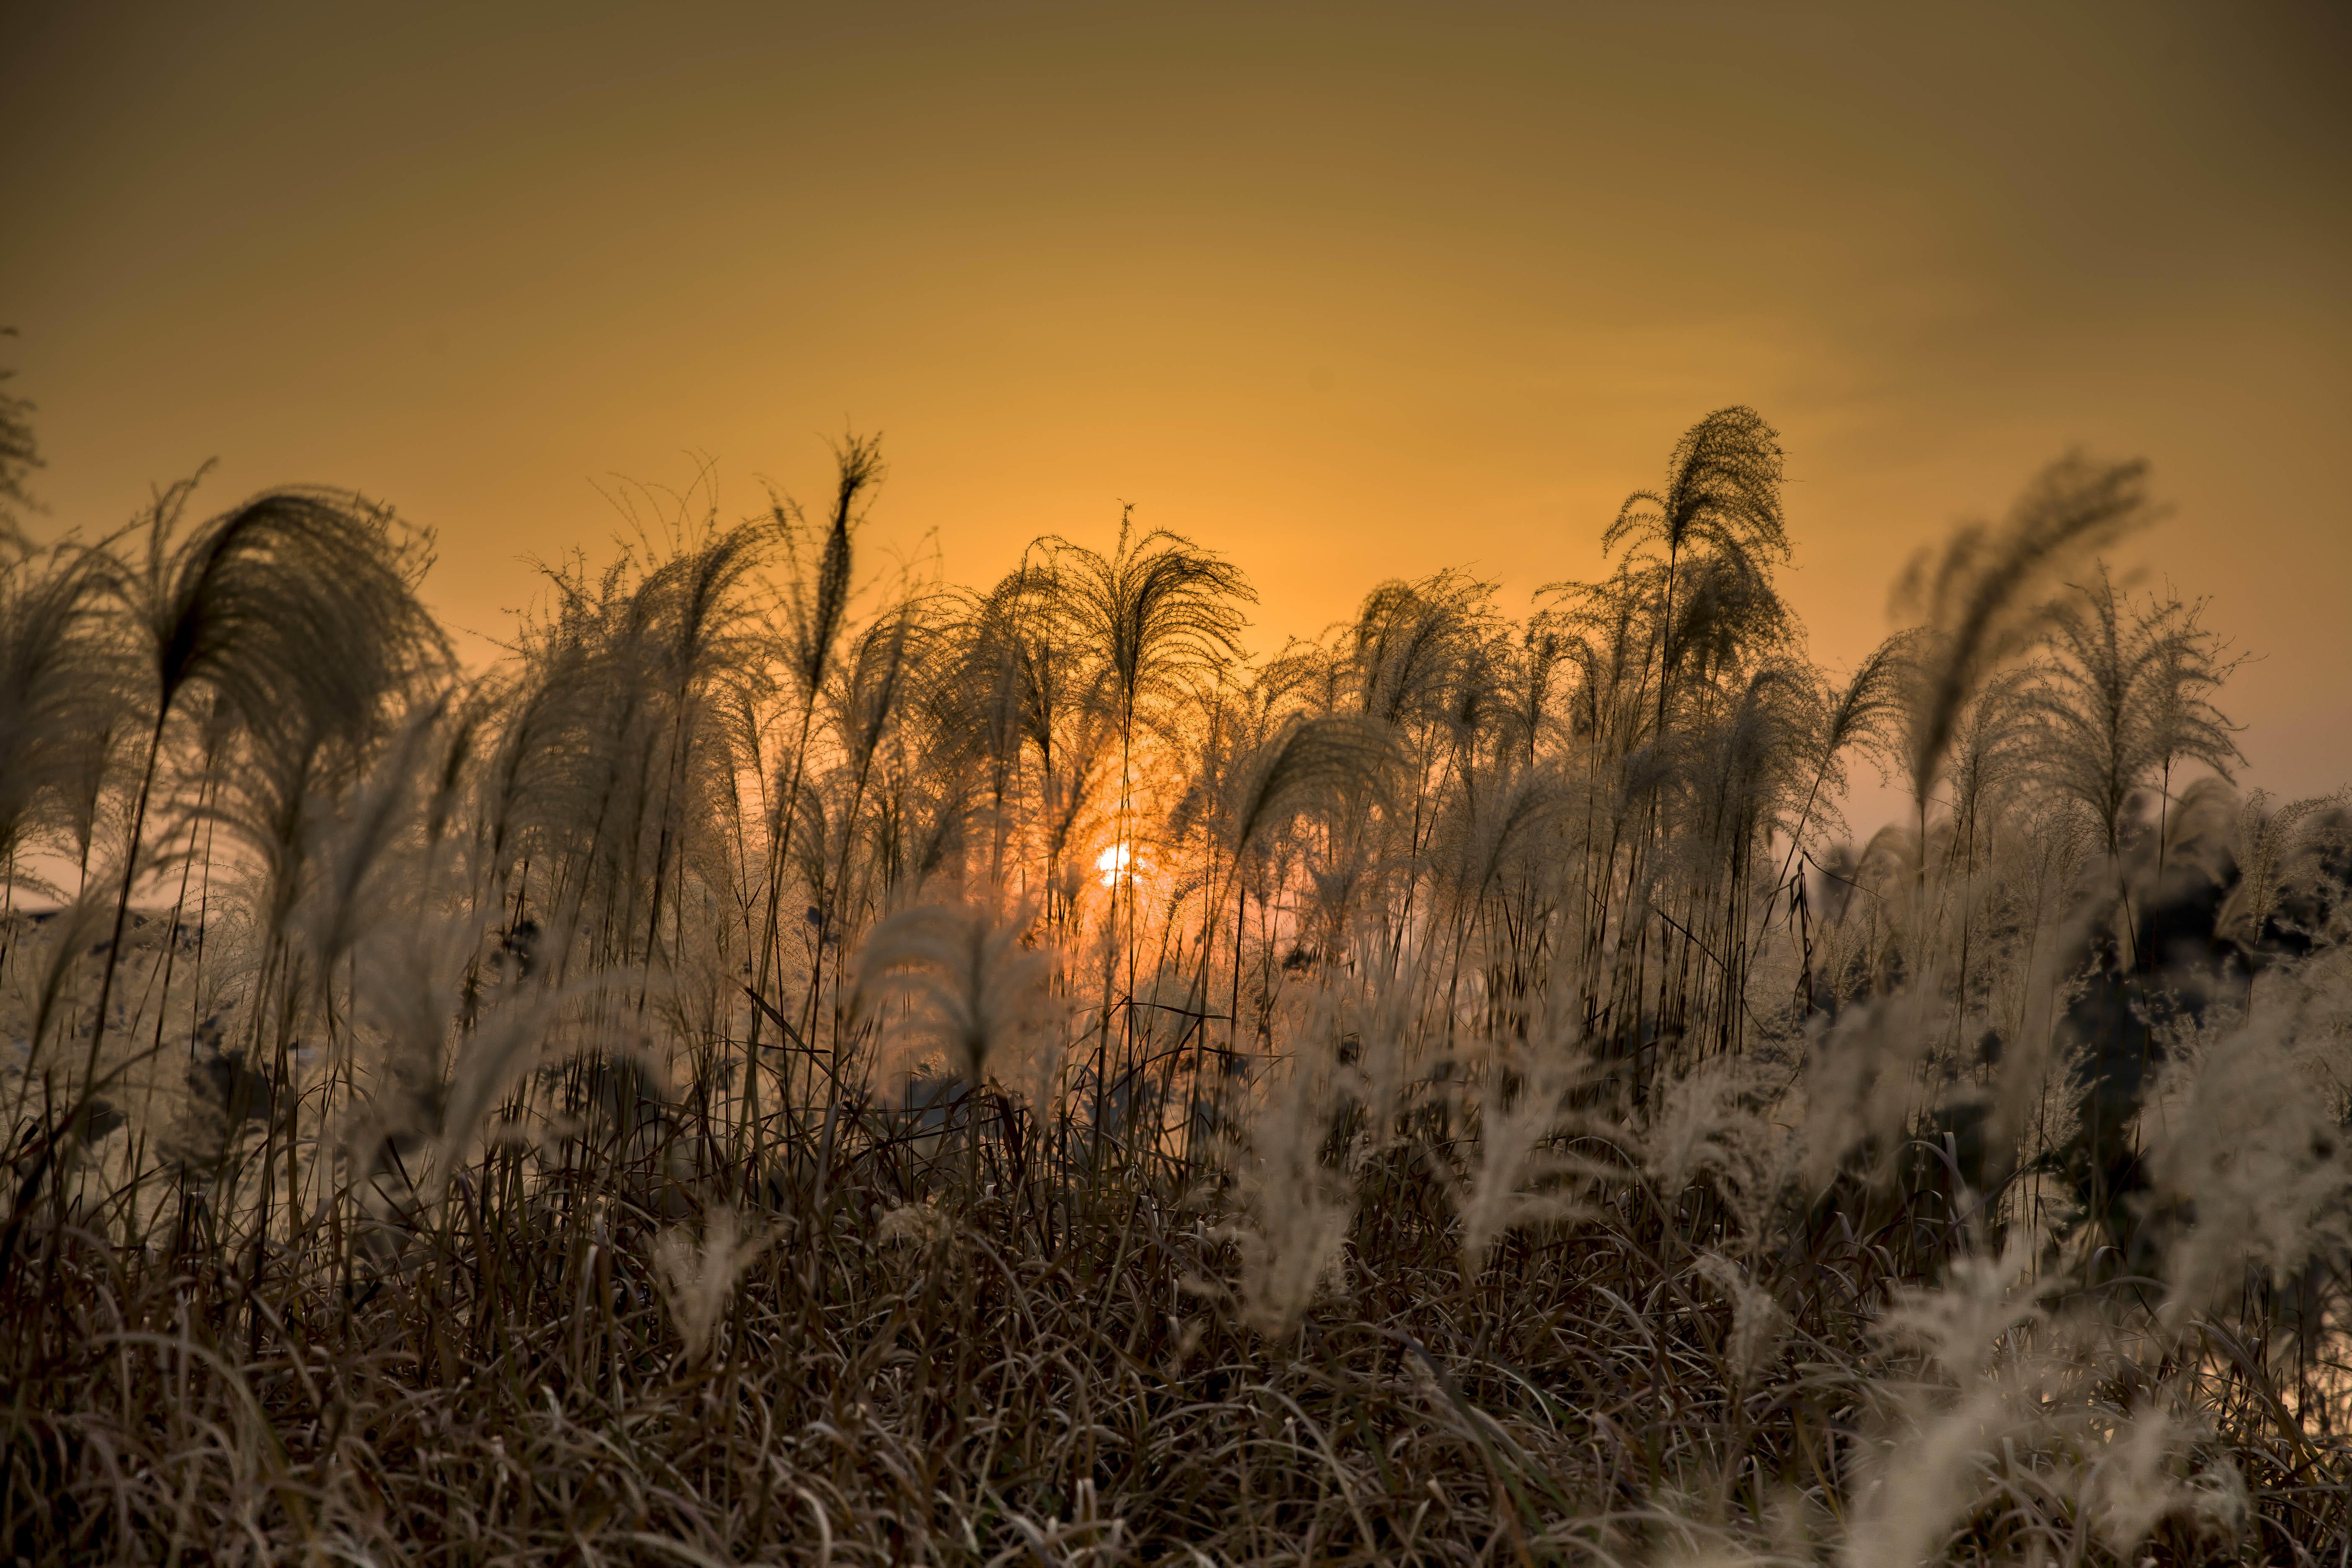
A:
(803, 1063)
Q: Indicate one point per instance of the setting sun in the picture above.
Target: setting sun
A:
(1112, 861)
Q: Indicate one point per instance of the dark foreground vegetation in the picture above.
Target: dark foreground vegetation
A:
(792, 1067)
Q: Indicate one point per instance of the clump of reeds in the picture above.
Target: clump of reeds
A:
(791, 1066)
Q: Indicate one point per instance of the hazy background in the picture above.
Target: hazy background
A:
(1348, 292)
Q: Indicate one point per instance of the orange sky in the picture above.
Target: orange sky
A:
(1348, 292)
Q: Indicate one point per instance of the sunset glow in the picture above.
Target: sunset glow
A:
(1342, 293)
(1698, 653)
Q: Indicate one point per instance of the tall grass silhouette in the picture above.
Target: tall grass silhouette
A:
(797, 1064)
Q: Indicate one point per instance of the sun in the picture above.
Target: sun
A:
(1112, 861)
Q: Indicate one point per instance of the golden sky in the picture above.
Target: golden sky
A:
(1347, 292)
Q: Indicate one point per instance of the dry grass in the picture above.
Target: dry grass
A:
(784, 1072)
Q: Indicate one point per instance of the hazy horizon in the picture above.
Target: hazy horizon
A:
(1341, 294)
